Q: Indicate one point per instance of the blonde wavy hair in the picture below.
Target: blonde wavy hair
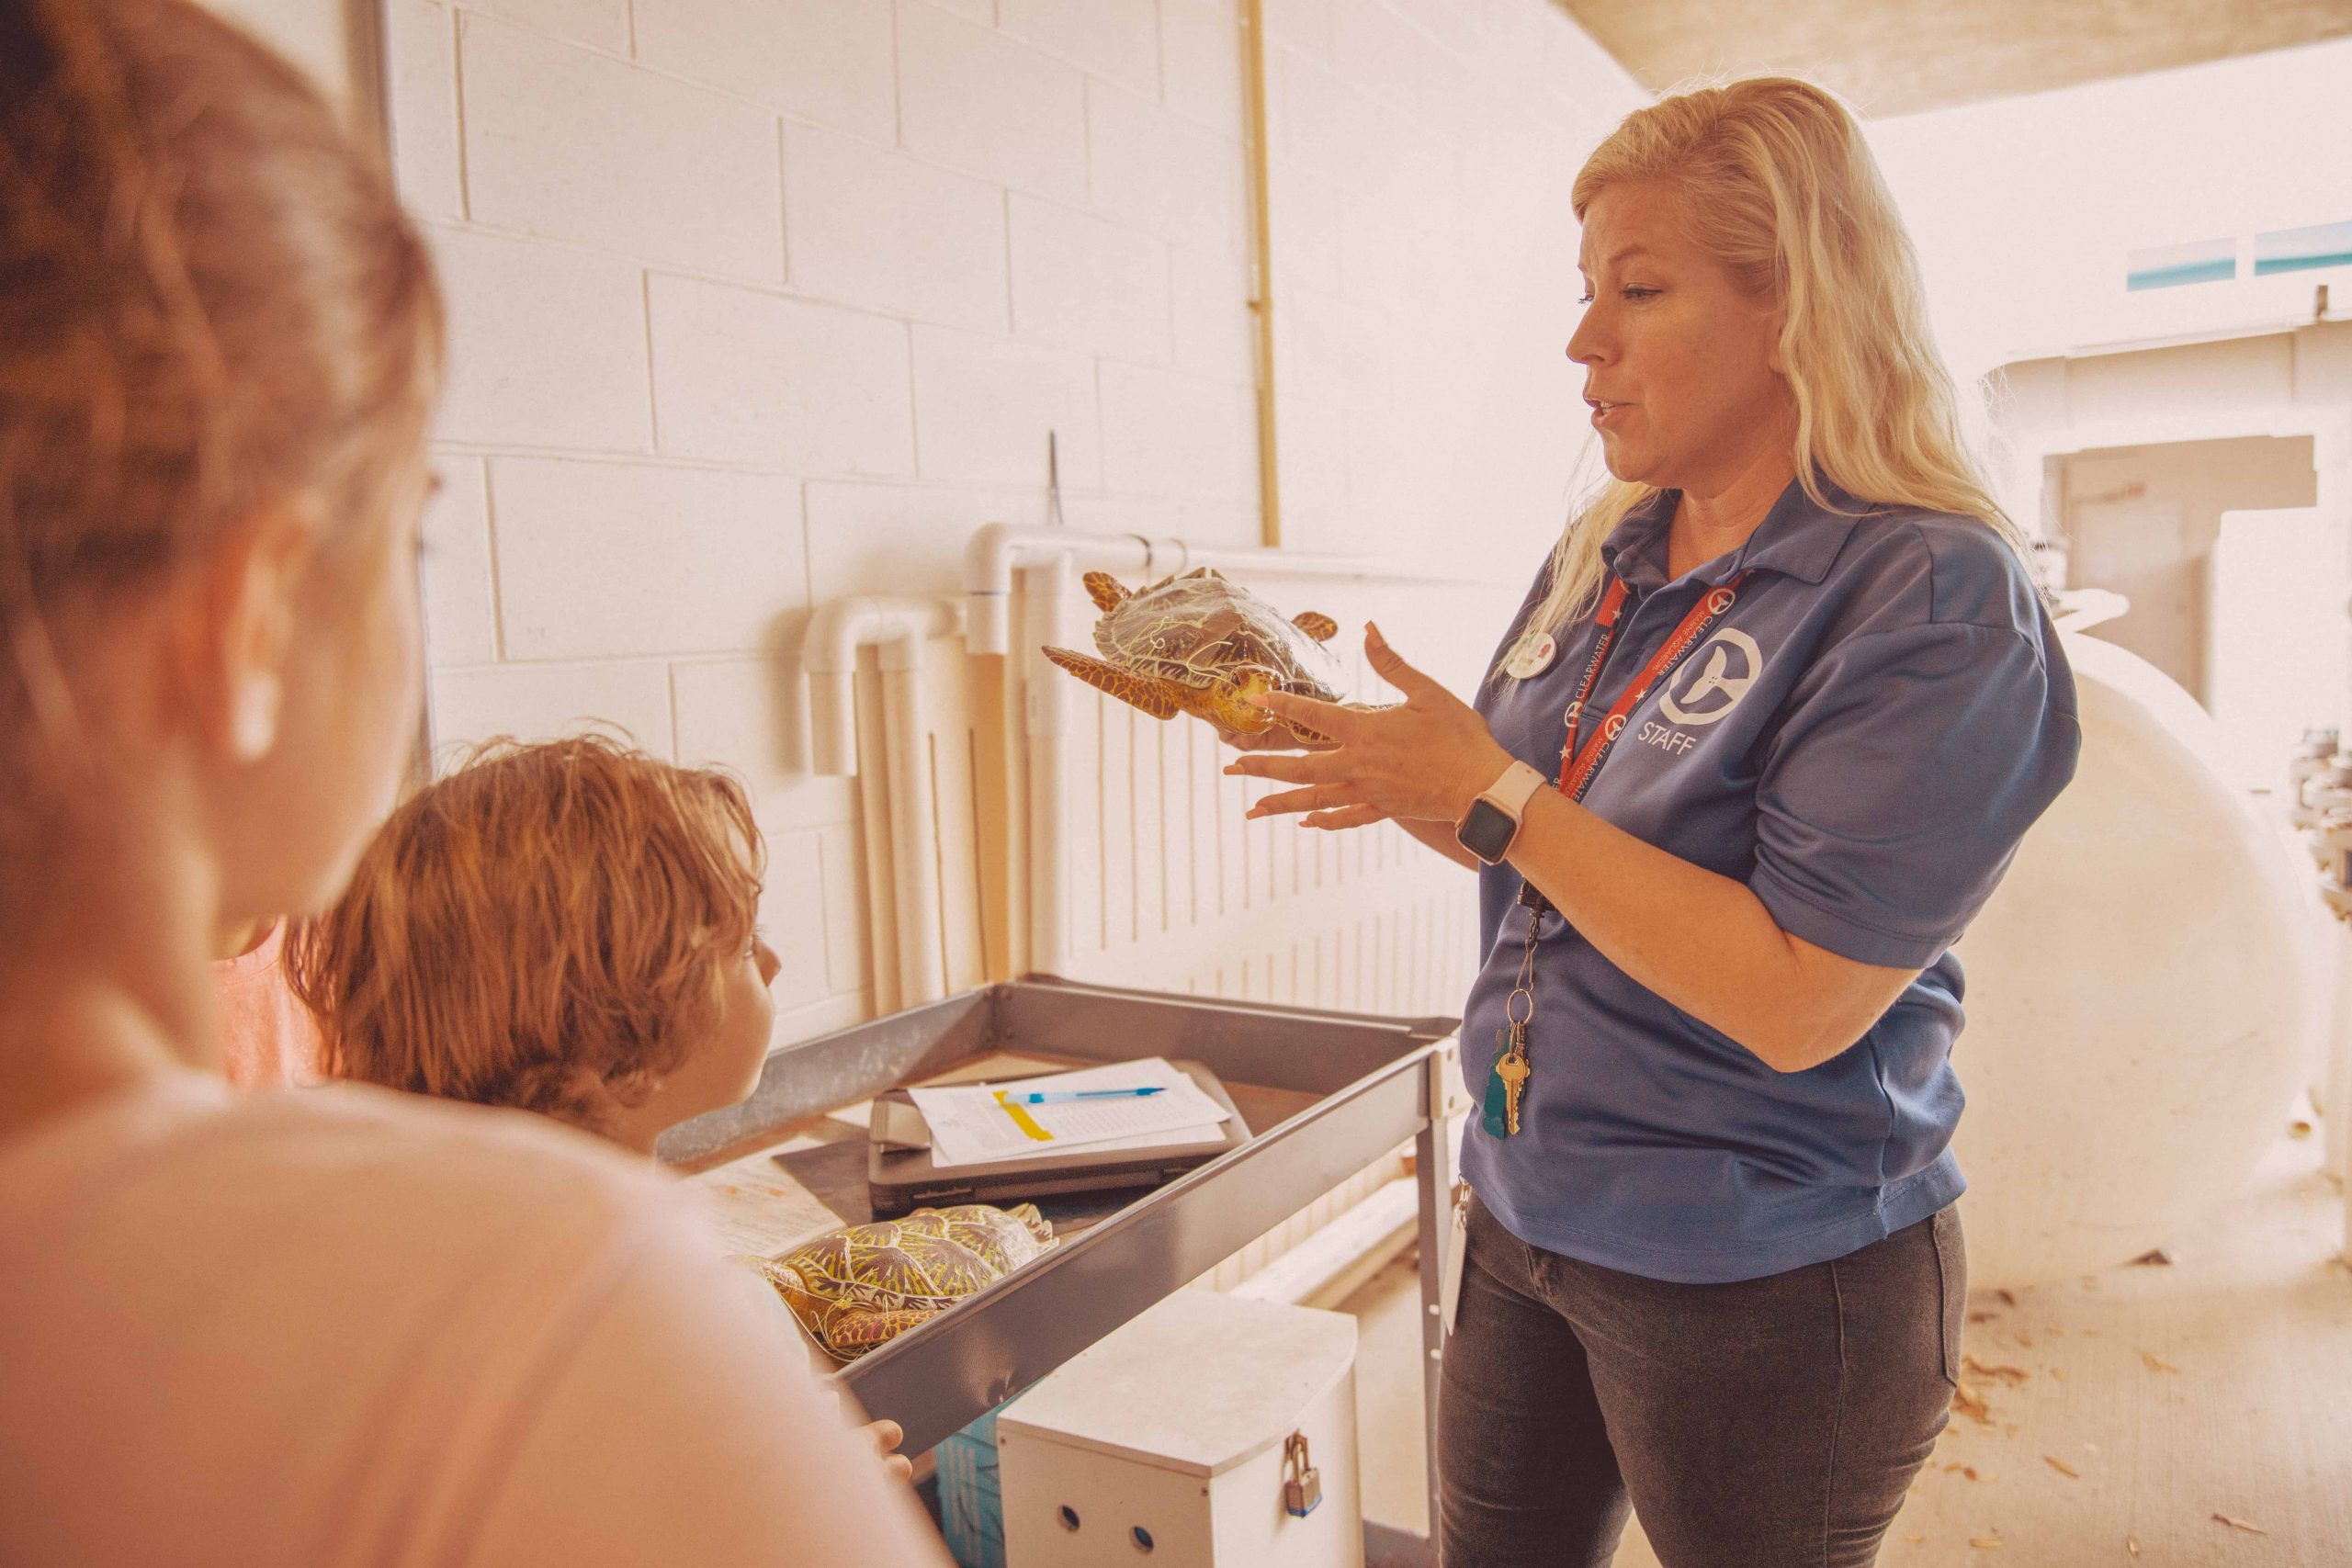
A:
(543, 929)
(1779, 185)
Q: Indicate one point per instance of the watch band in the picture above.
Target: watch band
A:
(1491, 825)
(1515, 789)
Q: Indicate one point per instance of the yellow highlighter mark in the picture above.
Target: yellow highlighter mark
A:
(1022, 1119)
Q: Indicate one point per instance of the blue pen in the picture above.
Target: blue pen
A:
(1064, 1096)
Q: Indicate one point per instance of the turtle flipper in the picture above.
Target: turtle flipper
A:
(1317, 626)
(859, 1329)
(1106, 591)
(1155, 697)
(1312, 737)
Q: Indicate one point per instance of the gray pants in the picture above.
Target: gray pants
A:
(1768, 1424)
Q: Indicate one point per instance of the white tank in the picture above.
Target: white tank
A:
(2138, 995)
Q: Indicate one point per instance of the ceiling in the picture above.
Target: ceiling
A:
(1890, 57)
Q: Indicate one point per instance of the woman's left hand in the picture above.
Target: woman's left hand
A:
(1426, 759)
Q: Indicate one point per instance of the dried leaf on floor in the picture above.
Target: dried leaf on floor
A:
(2025, 1339)
(2239, 1525)
(2061, 1466)
(1969, 1471)
(1992, 1542)
(2154, 1257)
(2006, 1298)
(2157, 1363)
(1915, 1539)
(2013, 1376)
(2058, 1372)
(2299, 1128)
(2131, 1544)
(1970, 1403)
(1983, 1316)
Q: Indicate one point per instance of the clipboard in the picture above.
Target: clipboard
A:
(901, 1177)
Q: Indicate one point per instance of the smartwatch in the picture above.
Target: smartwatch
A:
(1492, 822)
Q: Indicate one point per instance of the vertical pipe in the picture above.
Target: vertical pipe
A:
(1262, 301)
(915, 861)
(1046, 698)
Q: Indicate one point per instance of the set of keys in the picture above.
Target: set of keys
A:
(1506, 1085)
(1512, 1069)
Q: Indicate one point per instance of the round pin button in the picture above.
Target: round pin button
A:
(1532, 657)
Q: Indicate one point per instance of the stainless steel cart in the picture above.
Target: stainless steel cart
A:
(1325, 1095)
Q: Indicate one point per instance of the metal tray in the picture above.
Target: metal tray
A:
(1335, 1090)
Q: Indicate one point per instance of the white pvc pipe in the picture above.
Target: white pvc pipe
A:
(995, 549)
(829, 657)
(914, 847)
(898, 627)
(1045, 708)
(2079, 609)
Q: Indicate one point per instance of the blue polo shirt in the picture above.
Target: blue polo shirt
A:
(1862, 740)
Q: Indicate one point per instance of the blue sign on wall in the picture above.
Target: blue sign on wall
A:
(2296, 250)
(2164, 266)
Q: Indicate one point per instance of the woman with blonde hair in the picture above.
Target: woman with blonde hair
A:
(1758, 746)
(342, 1326)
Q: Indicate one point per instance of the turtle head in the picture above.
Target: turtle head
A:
(1105, 591)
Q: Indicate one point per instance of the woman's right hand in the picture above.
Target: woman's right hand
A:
(1276, 736)
(1279, 736)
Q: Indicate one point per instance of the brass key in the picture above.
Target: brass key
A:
(1514, 1072)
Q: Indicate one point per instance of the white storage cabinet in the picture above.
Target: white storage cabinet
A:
(1165, 1444)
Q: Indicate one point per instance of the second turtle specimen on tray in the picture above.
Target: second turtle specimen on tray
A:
(861, 1286)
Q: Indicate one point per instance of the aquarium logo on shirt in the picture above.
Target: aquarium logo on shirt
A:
(1725, 666)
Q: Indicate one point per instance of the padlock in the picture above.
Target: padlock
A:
(1302, 1482)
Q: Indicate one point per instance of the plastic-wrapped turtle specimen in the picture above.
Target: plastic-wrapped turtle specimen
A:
(861, 1286)
(1199, 644)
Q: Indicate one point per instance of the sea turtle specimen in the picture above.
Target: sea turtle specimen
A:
(1196, 644)
(861, 1286)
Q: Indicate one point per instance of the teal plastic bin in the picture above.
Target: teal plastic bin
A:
(971, 1509)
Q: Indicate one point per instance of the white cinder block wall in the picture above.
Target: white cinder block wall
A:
(760, 302)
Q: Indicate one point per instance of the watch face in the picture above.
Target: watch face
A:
(1487, 832)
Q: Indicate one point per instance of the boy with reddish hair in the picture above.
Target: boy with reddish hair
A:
(568, 927)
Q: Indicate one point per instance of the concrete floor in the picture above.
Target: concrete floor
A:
(2220, 1385)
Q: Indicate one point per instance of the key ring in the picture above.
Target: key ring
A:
(1510, 1006)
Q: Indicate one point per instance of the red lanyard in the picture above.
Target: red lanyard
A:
(1577, 770)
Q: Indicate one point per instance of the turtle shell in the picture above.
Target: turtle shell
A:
(895, 1273)
(1200, 629)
